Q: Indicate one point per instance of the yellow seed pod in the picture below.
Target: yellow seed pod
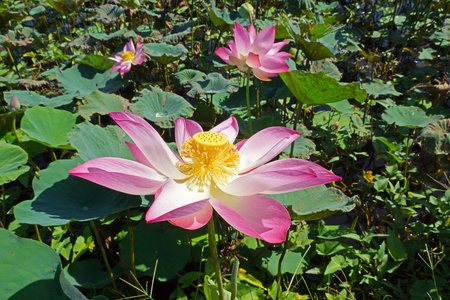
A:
(210, 139)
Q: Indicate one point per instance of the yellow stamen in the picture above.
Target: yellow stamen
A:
(128, 56)
(208, 157)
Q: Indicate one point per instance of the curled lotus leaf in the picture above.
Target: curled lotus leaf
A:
(165, 53)
(29, 98)
(224, 20)
(162, 108)
(108, 13)
(435, 138)
(211, 84)
(12, 162)
(186, 76)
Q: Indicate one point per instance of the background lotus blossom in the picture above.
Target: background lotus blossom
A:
(129, 56)
(235, 179)
(255, 51)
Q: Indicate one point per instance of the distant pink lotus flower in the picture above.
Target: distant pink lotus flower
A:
(255, 51)
(210, 173)
(130, 56)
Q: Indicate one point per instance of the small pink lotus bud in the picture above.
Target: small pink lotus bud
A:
(14, 104)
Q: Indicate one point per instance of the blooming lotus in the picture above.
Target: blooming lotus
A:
(255, 51)
(130, 56)
(210, 172)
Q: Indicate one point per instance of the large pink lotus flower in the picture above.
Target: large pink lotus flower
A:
(210, 173)
(129, 56)
(255, 51)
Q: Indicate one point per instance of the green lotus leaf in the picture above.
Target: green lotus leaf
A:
(48, 126)
(165, 53)
(257, 124)
(210, 84)
(303, 147)
(28, 98)
(327, 67)
(27, 83)
(186, 76)
(436, 137)
(108, 13)
(12, 162)
(32, 271)
(101, 103)
(409, 116)
(224, 20)
(179, 31)
(87, 273)
(315, 202)
(269, 260)
(61, 198)
(84, 41)
(84, 80)
(234, 102)
(318, 88)
(7, 15)
(93, 141)
(170, 252)
(66, 7)
(99, 62)
(274, 89)
(378, 88)
(162, 108)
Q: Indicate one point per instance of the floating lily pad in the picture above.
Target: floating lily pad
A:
(28, 98)
(170, 252)
(186, 76)
(316, 202)
(165, 53)
(32, 271)
(409, 116)
(93, 141)
(62, 198)
(12, 162)
(318, 88)
(48, 126)
(162, 108)
(84, 80)
(436, 137)
(101, 103)
(210, 84)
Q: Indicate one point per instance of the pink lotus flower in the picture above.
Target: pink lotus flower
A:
(255, 51)
(210, 173)
(130, 56)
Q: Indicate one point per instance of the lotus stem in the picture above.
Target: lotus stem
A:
(233, 281)
(213, 253)
(131, 232)
(279, 266)
(249, 110)
(37, 233)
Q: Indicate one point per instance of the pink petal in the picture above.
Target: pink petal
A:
(139, 46)
(265, 145)
(229, 127)
(139, 59)
(125, 67)
(242, 39)
(184, 130)
(239, 62)
(176, 201)
(252, 33)
(264, 76)
(257, 216)
(253, 60)
(150, 143)
(121, 175)
(233, 48)
(281, 176)
(283, 55)
(273, 64)
(224, 54)
(115, 68)
(138, 155)
(276, 48)
(129, 46)
(196, 220)
(264, 41)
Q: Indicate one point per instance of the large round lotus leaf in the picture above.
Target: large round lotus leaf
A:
(224, 20)
(162, 108)
(186, 76)
(122, 33)
(213, 83)
(318, 88)
(93, 141)
(409, 116)
(101, 103)
(48, 126)
(159, 243)
(165, 53)
(316, 202)
(27, 98)
(84, 80)
(436, 137)
(234, 102)
(70, 198)
(87, 273)
(100, 62)
(12, 160)
(32, 270)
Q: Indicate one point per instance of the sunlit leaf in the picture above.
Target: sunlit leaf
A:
(409, 116)
(12, 162)
(102, 103)
(165, 53)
